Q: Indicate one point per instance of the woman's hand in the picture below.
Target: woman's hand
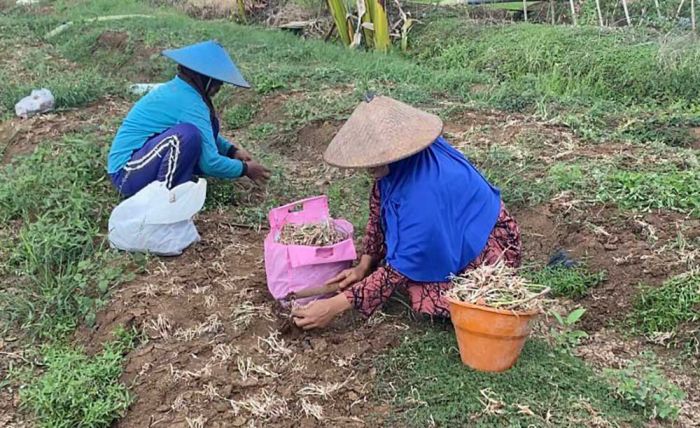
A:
(354, 275)
(320, 313)
(242, 154)
(257, 172)
(350, 276)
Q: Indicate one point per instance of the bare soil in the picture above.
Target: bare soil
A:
(217, 341)
(22, 136)
(112, 40)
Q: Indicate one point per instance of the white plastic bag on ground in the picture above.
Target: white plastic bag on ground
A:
(40, 101)
(143, 88)
(157, 220)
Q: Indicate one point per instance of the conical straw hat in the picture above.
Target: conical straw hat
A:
(381, 131)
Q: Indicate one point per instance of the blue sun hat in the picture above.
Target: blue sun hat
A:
(210, 59)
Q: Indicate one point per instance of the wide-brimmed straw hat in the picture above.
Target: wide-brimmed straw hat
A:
(380, 131)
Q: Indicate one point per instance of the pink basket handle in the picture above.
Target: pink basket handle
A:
(324, 252)
(317, 205)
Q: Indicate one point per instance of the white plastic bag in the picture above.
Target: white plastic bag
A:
(40, 101)
(143, 88)
(157, 220)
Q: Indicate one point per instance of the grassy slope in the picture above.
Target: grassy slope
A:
(61, 261)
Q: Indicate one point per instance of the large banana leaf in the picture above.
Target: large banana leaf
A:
(340, 16)
(380, 24)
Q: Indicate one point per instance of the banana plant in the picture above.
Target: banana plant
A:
(380, 25)
(366, 18)
(241, 10)
(341, 17)
(372, 24)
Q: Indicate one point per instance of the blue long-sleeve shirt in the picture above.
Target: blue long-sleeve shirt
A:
(170, 104)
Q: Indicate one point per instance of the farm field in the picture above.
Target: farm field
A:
(592, 135)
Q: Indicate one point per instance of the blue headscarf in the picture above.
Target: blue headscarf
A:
(437, 211)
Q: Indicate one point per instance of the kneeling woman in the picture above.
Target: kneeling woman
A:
(432, 214)
(172, 133)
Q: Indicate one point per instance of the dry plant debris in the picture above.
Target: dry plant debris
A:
(321, 234)
(325, 391)
(310, 409)
(265, 405)
(497, 286)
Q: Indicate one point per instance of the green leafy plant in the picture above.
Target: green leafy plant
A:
(262, 131)
(644, 387)
(565, 335)
(677, 190)
(664, 308)
(76, 390)
(55, 199)
(238, 116)
(267, 83)
(573, 282)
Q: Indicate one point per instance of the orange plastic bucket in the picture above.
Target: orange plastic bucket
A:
(489, 340)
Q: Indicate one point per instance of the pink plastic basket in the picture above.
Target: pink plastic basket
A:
(292, 268)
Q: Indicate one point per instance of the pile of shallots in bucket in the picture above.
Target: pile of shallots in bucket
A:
(498, 286)
(321, 234)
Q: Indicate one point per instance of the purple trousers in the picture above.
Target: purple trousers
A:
(170, 157)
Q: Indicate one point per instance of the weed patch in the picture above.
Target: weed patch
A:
(556, 62)
(349, 199)
(644, 387)
(571, 282)
(521, 181)
(238, 116)
(55, 200)
(664, 308)
(677, 190)
(78, 390)
(432, 386)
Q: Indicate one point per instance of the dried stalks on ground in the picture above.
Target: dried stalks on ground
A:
(265, 406)
(323, 391)
(310, 409)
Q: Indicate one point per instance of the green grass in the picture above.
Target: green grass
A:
(664, 308)
(349, 199)
(631, 67)
(643, 386)
(432, 387)
(53, 204)
(32, 64)
(552, 72)
(521, 179)
(238, 116)
(677, 190)
(271, 60)
(574, 282)
(76, 390)
(320, 105)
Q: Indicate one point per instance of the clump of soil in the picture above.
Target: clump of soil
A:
(113, 41)
(631, 249)
(313, 138)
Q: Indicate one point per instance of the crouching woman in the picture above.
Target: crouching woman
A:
(432, 214)
(172, 134)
